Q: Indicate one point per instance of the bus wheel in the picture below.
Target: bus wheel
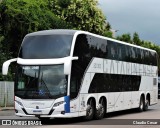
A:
(141, 105)
(89, 110)
(100, 110)
(146, 105)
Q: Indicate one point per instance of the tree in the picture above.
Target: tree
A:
(3, 57)
(136, 39)
(125, 38)
(82, 14)
(19, 17)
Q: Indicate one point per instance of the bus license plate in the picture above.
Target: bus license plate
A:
(37, 111)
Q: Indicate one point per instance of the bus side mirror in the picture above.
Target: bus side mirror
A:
(6, 66)
(67, 65)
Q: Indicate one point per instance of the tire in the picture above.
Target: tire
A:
(100, 111)
(146, 105)
(141, 104)
(90, 110)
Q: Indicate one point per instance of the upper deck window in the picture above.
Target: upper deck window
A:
(46, 46)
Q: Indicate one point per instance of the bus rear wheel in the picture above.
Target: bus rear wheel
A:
(141, 104)
(90, 110)
(146, 105)
(100, 110)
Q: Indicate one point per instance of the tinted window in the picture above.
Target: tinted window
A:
(153, 58)
(142, 56)
(97, 46)
(86, 47)
(138, 56)
(46, 46)
(114, 83)
(112, 50)
(146, 57)
(128, 54)
(76, 77)
(79, 66)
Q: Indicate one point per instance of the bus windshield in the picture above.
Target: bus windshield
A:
(46, 46)
(41, 82)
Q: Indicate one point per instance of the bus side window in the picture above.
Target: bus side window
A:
(106, 55)
(138, 56)
(150, 58)
(123, 50)
(155, 59)
(113, 51)
(75, 81)
(108, 50)
(102, 48)
(142, 56)
(119, 52)
(74, 87)
(127, 58)
(133, 55)
(146, 57)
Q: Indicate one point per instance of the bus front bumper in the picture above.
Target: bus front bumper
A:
(54, 115)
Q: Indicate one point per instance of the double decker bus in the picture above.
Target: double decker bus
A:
(72, 73)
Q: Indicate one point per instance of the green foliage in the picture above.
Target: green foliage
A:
(82, 14)
(3, 57)
(136, 39)
(19, 17)
(125, 38)
(108, 34)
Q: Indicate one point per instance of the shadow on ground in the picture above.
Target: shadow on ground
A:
(81, 121)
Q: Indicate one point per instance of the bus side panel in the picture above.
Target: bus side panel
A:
(149, 85)
(111, 102)
(127, 100)
(135, 99)
(118, 101)
(74, 105)
(146, 83)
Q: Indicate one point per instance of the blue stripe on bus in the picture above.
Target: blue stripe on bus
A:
(67, 104)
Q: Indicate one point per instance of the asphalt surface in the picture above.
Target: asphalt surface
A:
(123, 119)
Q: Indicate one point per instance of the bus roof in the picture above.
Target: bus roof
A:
(117, 41)
(53, 31)
(73, 32)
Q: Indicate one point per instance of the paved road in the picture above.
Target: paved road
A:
(150, 116)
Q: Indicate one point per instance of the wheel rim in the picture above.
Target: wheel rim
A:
(89, 108)
(101, 108)
(141, 105)
(147, 104)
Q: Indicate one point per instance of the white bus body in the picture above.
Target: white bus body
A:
(69, 73)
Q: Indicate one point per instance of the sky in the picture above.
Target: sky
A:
(129, 16)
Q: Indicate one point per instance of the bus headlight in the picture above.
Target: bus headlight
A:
(58, 103)
(19, 103)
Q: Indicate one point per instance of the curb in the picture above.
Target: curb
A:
(6, 108)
